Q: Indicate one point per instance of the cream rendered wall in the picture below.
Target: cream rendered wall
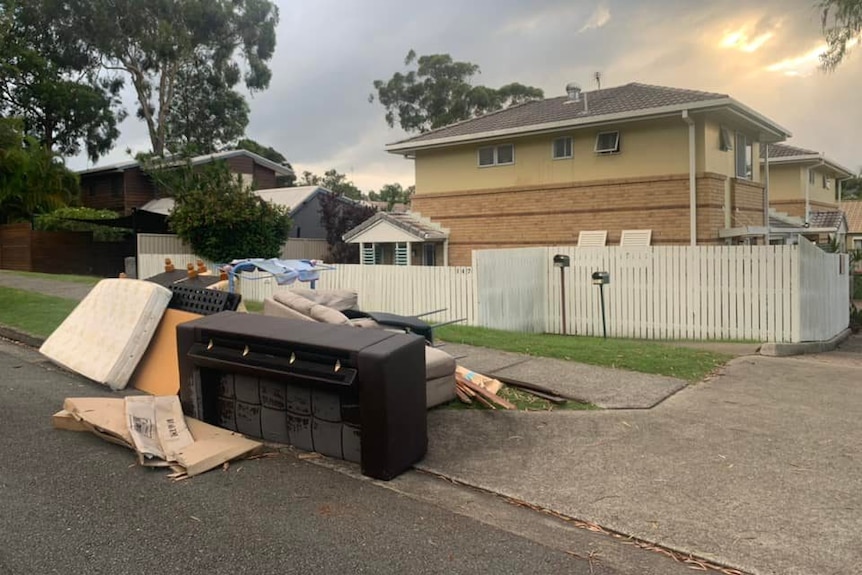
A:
(649, 148)
(817, 192)
(786, 182)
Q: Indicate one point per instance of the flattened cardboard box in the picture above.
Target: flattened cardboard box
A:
(109, 419)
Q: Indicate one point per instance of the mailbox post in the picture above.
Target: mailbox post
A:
(601, 279)
(562, 261)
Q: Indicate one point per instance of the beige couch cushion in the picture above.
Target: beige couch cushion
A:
(338, 299)
(294, 301)
(438, 363)
(275, 309)
(328, 315)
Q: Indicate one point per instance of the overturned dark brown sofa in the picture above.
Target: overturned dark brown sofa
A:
(327, 306)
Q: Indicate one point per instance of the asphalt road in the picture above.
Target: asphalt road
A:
(72, 503)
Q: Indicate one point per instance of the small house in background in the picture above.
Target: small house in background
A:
(305, 208)
(402, 239)
(124, 187)
(803, 182)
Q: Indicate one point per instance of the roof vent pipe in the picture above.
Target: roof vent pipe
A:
(573, 91)
(586, 104)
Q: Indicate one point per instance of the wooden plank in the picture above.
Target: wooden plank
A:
(484, 393)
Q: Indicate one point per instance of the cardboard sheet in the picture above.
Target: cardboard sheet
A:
(155, 425)
(158, 373)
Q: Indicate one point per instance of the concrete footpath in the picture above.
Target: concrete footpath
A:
(46, 286)
(758, 469)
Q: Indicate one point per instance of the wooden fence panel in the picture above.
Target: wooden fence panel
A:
(674, 292)
(824, 293)
(513, 288)
(15, 247)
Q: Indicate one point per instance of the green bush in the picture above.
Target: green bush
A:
(57, 221)
(218, 216)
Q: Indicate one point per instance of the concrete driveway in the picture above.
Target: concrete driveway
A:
(759, 468)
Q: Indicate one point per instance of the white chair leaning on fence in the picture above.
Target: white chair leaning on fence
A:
(592, 239)
(636, 238)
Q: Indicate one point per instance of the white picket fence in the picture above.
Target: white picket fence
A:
(763, 293)
(406, 290)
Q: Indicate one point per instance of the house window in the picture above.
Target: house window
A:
(402, 254)
(811, 176)
(429, 252)
(857, 243)
(562, 148)
(825, 182)
(372, 254)
(607, 142)
(725, 143)
(744, 163)
(497, 155)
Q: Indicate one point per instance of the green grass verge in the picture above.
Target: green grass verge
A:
(88, 280)
(633, 355)
(253, 306)
(33, 313)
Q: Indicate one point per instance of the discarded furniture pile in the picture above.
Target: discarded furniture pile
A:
(313, 371)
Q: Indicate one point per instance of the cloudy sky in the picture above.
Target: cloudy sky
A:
(329, 52)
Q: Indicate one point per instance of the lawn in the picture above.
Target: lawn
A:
(88, 280)
(633, 355)
(33, 313)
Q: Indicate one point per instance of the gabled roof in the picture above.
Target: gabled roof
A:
(198, 160)
(831, 220)
(621, 103)
(853, 210)
(786, 154)
(293, 198)
(407, 222)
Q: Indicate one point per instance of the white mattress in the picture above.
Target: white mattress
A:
(105, 337)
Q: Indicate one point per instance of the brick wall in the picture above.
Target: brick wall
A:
(746, 199)
(555, 214)
(797, 207)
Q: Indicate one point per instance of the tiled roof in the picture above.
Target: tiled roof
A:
(203, 159)
(407, 222)
(853, 210)
(785, 151)
(621, 99)
(785, 223)
(826, 220)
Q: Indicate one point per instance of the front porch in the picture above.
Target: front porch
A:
(400, 239)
